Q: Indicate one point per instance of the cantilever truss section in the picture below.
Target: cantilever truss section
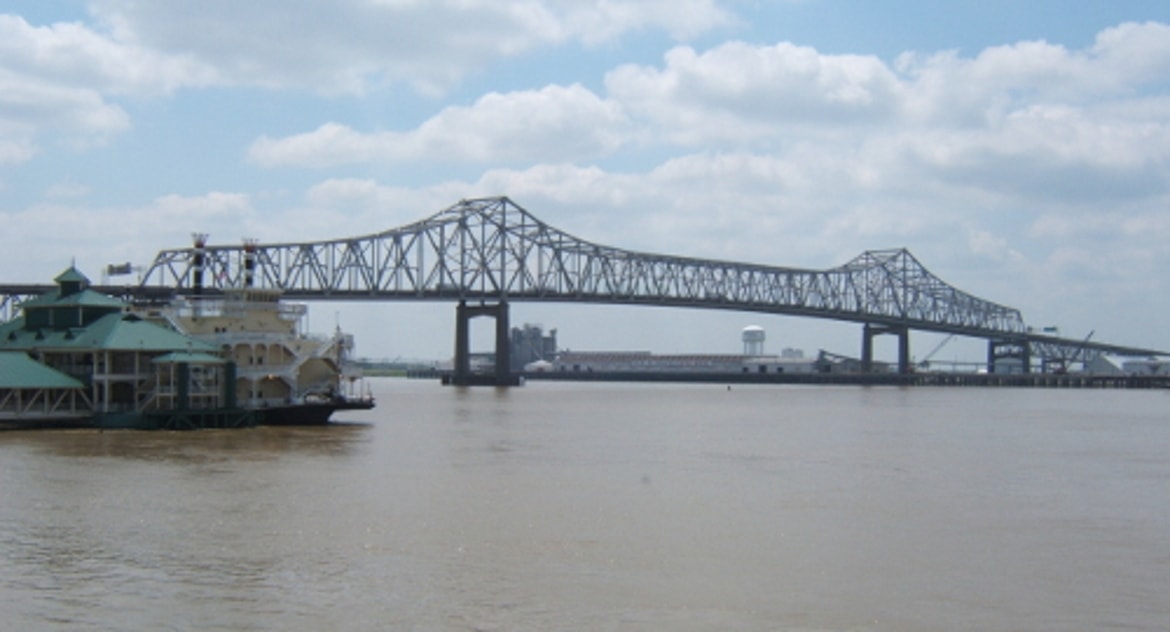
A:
(492, 249)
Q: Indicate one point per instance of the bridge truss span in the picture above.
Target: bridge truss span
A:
(492, 249)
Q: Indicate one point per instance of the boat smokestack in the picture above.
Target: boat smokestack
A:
(249, 262)
(199, 260)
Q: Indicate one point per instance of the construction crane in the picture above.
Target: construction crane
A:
(1062, 365)
(924, 364)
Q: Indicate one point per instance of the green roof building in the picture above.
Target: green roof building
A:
(76, 333)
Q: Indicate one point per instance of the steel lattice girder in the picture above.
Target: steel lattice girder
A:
(10, 305)
(491, 248)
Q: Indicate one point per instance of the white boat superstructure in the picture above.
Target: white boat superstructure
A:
(277, 363)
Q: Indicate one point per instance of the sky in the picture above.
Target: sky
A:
(1020, 150)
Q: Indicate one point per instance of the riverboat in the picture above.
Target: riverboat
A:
(76, 357)
(284, 375)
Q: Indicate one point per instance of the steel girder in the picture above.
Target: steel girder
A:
(13, 297)
(1065, 353)
(492, 249)
(11, 302)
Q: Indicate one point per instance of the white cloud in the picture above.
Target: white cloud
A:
(994, 247)
(1134, 53)
(31, 104)
(67, 190)
(1124, 62)
(58, 80)
(553, 123)
(15, 148)
(330, 144)
(348, 207)
(98, 236)
(78, 56)
(598, 22)
(737, 91)
(1076, 156)
(1031, 119)
(347, 46)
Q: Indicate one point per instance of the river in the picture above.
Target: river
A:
(568, 506)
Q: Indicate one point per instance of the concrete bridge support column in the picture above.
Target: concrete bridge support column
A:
(503, 344)
(462, 365)
(904, 351)
(462, 375)
(869, 332)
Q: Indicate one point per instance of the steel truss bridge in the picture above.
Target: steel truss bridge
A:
(486, 253)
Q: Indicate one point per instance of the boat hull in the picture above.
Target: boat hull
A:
(308, 413)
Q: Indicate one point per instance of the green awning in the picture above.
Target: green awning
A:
(18, 371)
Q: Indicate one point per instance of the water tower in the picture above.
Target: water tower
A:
(753, 340)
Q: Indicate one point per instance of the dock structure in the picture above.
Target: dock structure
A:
(986, 380)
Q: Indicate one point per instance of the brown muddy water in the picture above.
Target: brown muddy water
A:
(563, 506)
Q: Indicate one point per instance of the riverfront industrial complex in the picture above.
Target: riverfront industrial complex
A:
(535, 355)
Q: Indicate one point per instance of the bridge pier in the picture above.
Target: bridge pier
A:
(869, 332)
(1009, 349)
(462, 374)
